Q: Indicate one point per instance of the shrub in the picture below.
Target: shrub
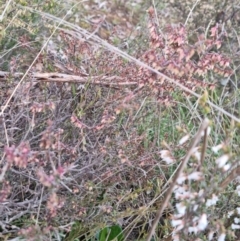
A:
(92, 142)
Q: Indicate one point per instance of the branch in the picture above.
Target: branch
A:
(66, 78)
(230, 177)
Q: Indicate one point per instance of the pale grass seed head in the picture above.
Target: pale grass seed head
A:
(167, 157)
(217, 148)
(221, 161)
(184, 139)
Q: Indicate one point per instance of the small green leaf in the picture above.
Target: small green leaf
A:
(111, 233)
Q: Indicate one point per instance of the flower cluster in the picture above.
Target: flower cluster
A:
(173, 55)
(19, 155)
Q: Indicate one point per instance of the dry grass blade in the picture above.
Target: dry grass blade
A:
(5, 9)
(230, 177)
(66, 78)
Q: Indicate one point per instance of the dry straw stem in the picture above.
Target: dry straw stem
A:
(190, 12)
(83, 34)
(4, 11)
(66, 78)
(168, 195)
(204, 147)
(230, 177)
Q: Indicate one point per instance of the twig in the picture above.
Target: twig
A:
(19, 215)
(180, 170)
(230, 177)
(204, 147)
(66, 78)
(191, 10)
(4, 169)
(4, 11)
(39, 206)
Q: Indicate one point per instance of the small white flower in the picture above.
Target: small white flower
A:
(230, 214)
(195, 176)
(193, 230)
(222, 237)
(210, 235)
(167, 157)
(215, 149)
(196, 153)
(177, 222)
(181, 208)
(202, 223)
(236, 220)
(179, 189)
(179, 192)
(235, 226)
(238, 211)
(183, 139)
(212, 201)
(181, 178)
(226, 167)
(221, 161)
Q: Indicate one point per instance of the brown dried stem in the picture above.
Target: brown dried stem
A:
(232, 175)
(66, 78)
(197, 138)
